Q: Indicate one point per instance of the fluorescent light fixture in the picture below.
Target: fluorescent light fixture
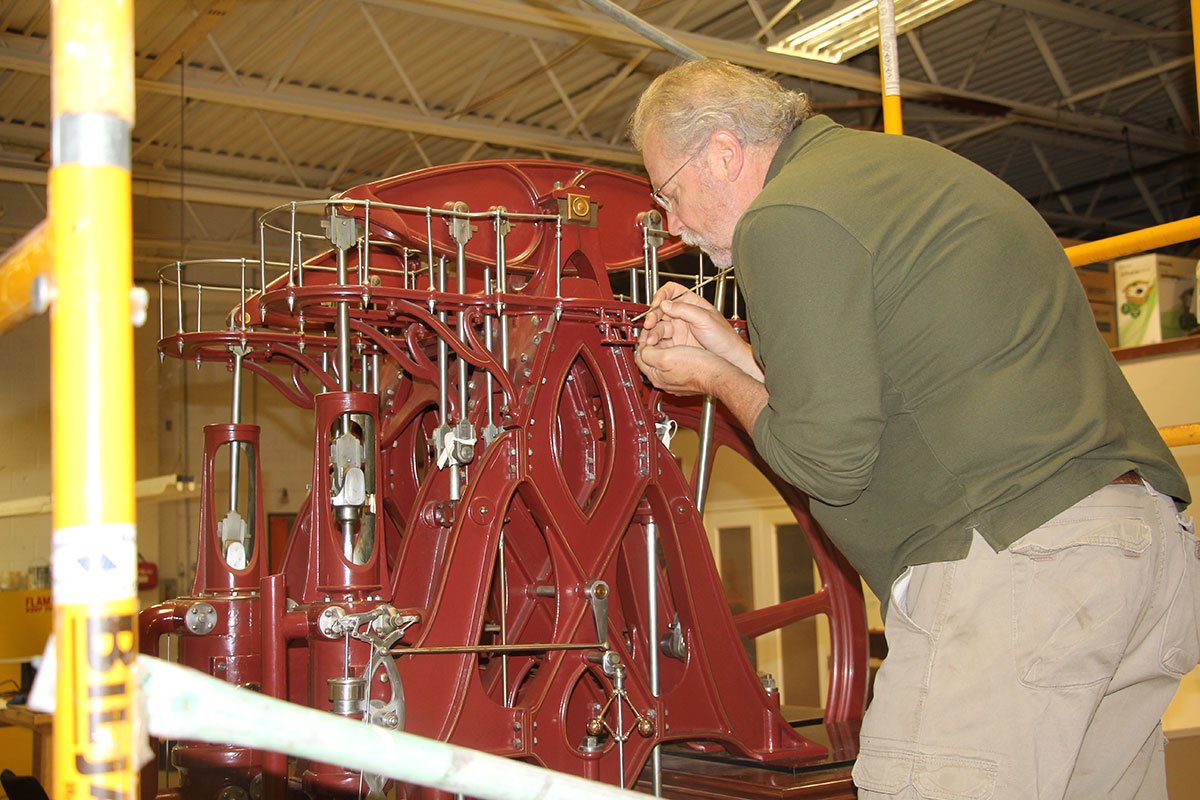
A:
(847, 29)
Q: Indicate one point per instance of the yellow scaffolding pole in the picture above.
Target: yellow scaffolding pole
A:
(94, 553)
(889, 67)
(1196, 42)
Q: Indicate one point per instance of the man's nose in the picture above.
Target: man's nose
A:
(672, 222)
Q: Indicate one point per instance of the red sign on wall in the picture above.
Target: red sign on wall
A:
(147, 574)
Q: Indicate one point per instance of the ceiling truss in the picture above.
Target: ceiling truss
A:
(558, 80)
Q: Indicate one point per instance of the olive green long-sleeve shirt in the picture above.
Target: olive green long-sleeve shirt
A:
(932, 362)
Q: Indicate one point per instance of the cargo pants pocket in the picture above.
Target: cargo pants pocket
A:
(1180, 649)
(889, 768)
(1077, 585)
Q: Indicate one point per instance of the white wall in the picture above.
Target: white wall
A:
(173, 401)
(1169, 388)
(25, 453)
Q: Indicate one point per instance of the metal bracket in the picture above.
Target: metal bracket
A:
(460, 228)
(341, 231)
(489, 433)
(652, 224)
(672, 643)
(329, 623)
(597, 595)
(578, 209)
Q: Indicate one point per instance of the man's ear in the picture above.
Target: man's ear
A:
(730, 155)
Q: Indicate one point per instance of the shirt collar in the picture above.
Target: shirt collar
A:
(799, 140)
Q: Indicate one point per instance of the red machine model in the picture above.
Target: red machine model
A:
(498, 549)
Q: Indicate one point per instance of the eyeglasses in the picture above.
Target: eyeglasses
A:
(657, 193)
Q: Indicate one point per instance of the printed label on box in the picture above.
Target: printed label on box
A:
(1155, 298)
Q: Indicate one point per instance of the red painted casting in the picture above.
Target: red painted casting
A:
(489, 645)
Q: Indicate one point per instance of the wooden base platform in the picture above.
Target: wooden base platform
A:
(720, 776)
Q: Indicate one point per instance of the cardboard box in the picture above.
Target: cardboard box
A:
(1155, 298)
(1097, 280)
(1106, 321)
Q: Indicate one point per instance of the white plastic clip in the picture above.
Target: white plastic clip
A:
(448, 442)
(666, 431)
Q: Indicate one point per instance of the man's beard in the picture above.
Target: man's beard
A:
(722, 257)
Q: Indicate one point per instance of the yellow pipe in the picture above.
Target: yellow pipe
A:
(892, 121)
(889, 67)
(1196, 42)
(94, 549)
(1180, 435)
(1175, 232)
(19, 268)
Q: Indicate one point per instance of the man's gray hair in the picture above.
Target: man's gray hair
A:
(691, 101)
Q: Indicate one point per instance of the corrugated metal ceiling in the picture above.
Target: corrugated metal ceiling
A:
(298, 99)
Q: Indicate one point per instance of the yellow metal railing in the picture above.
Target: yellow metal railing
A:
(1181, 435)
(24, 267)
(1129, 243)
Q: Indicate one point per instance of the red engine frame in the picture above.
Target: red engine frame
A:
(498, 603)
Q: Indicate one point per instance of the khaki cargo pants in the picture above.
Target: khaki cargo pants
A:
(1041, 671)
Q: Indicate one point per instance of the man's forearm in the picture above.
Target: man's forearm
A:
(743, 359)
(743, 394)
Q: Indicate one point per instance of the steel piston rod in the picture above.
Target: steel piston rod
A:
(707, 419)
(502, 283)
(343, 235)
(652, 639)
(343, 318)
(460, 267)
(489, 341)
(235, 417)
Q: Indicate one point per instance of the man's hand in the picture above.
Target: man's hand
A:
(684, 370)
(681, 369)
(679, 318)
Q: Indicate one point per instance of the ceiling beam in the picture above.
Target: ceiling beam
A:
(230, 193)
(191, 35)
(358, 111)
(1134, 77)
(1084, 17)
(348, 110)
(1060, 79)
(456, 16)
(1105, 227)
(583, 23)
